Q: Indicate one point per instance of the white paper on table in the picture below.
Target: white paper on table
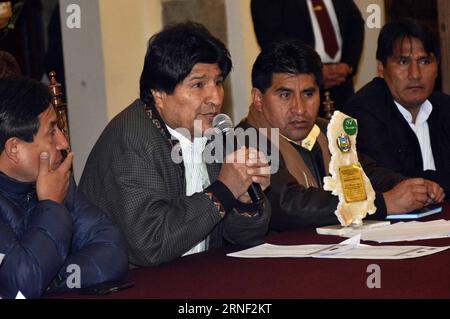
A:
(348, 249)
(405, 231)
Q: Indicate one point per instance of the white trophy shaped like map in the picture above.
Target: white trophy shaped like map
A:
(347, 180)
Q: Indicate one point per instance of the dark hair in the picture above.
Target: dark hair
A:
(287, 56)
(402, 29)
(21, 102)
(8, 65)
(173, 52)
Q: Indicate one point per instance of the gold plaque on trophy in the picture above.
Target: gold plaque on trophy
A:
(347, 179)
(352, 183)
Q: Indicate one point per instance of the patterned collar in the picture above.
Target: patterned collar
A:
(155, 117)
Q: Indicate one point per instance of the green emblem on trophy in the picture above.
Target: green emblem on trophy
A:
(350, 126)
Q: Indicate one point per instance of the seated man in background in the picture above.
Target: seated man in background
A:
(335, 29)
(167, 208)
(46, 225)
(404, 125)
(286, 77)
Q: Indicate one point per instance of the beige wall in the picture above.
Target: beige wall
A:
(367, 66)
(126, 27)
(85, 80)
(244, 49)
(103, 61)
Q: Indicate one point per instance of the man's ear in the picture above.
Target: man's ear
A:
(159, 97)
(380, 69)
(257, 98)
(12, 147)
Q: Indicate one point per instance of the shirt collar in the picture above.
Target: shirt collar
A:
(179, 136)
(424, 112)
(198, 144)
(12, 186)
(309, 141)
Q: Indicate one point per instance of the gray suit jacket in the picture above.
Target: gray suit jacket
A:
(131, 176)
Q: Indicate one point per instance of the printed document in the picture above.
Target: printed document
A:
(348, 249)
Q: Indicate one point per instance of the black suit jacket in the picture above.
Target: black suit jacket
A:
(274, 20)
(385, 135)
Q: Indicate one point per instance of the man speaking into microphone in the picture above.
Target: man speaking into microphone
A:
(165, 208)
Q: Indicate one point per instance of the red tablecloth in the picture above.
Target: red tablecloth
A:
(214, 275)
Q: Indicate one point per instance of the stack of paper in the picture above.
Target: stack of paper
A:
(348, 249)
(404, 231)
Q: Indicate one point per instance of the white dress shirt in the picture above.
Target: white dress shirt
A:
(197, 178)
(318, 42)
(422, 131)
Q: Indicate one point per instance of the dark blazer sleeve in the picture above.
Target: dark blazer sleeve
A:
(352, 30)
(439, 126)
(246, 230)
(98, 247)
(445, 155)
(382, 180)
(35, 253)
(295, 206)
(267, 18)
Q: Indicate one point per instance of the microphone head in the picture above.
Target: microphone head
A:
(222, 122)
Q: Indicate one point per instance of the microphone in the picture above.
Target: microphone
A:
(224, 124)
